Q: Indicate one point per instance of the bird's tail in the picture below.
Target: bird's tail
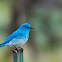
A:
(1, 45)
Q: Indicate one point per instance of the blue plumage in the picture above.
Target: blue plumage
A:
(19, 37)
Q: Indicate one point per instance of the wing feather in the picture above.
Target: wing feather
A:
(13, 35)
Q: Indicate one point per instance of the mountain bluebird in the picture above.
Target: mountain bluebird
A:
(19, 37)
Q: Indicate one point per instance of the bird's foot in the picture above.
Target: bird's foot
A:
(14, 50)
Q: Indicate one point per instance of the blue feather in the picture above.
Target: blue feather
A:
(19, 36)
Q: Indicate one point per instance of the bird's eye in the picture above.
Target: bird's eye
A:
(27, 27)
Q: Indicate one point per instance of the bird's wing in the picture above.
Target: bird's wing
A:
(13, 35)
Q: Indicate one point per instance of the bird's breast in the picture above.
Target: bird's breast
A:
(22, 41)
(18, 40)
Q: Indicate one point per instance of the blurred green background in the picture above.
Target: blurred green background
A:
(45, 42)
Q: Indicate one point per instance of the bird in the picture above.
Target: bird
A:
(18, 37)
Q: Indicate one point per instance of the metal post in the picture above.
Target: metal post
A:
(21, 55)
(14, 56)
(18, 55)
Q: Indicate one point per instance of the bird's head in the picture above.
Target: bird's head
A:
(26, 27)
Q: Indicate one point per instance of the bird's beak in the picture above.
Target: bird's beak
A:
(32, 28)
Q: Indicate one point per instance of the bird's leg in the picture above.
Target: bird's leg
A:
(15, 49)
(19, 47)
